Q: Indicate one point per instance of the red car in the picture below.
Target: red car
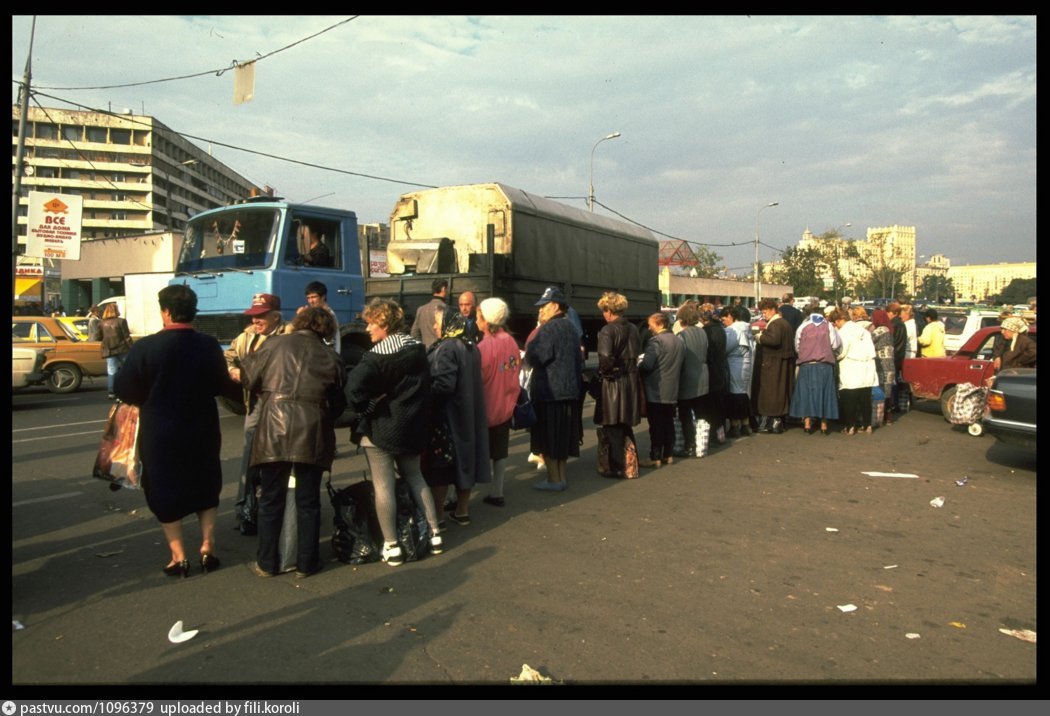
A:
(936, 378)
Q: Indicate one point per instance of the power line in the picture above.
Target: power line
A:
(218, 72)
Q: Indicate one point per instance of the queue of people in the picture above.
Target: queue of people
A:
(438, 415)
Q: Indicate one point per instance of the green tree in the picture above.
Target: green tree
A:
(709, 262)
(1017, 291)
(937, 288)
(802, 269)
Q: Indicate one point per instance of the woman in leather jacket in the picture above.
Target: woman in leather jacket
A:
(617, 408)
(300, 380)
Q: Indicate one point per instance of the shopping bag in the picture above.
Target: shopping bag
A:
(355, 523)
(703, 437)
(967, 405)
(118, 455)
(631, 458)
(524, 415)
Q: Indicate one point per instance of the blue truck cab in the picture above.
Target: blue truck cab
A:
(266, 245)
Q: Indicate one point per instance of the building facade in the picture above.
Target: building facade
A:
(979, 282)
(135, 175)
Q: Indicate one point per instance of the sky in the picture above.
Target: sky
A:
(924, 121)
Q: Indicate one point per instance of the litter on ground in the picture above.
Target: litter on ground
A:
(1022, 634)
(529, 675)
(889, 474)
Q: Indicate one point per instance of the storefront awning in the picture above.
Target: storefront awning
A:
(27, 288)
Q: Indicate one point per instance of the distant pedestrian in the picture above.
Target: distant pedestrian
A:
(777, 368)
(317, 296)
(931, 340)
(116, 342)
(661, 369)
(694, 386)
(94, 332)
(423, 325)
(790, 313)
(816, 396)
(857, 374)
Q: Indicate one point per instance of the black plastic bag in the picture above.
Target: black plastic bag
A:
(354, 522)
(412, 528)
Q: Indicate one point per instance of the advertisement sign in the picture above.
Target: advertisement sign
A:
(53, 230)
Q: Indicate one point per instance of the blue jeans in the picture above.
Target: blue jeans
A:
(113, 364)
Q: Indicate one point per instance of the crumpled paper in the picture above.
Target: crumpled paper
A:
(529, 675)
(1022, 634)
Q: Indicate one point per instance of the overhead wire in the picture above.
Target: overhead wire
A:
(218, 72)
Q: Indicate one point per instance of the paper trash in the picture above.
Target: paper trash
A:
(529, 675)
(176, 635)
(1022, 634)
(937, 502)
(847, 607)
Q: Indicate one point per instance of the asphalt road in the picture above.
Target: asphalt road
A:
(734, 569)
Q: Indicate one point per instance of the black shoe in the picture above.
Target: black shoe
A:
(745, 430)
(614, 475)
(178, 569)
(778, 426)
(209, 562)
(494, 501)
(303, 574)
(248, 529)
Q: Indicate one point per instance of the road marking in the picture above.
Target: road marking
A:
(63, 496)
(60, 425)
(54, 437)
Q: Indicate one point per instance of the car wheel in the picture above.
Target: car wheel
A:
(975, 429)
(64, 378)
(947, 398)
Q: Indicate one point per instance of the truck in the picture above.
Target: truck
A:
(138, 305)
(495, 240)
(232, 253)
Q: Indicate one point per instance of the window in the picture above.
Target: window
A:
(72, 133)
(120, 136)
(314, 242)
(96, 134)
(45, 131)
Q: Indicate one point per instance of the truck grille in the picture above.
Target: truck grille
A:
(224, 327)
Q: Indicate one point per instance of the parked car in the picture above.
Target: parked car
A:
(69, 359)
(936, 378)
(27, 366)
(1011, 408)
(960, 323)
(79, 324)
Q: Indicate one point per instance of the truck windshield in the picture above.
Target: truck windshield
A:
(235, 239)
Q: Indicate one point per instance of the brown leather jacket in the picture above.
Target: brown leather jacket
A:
(301, 382)
(619, 345)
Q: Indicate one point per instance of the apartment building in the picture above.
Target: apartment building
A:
(135, 175)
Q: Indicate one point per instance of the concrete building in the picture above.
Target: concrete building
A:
(135, 175)
(978, 282)
(886, 250)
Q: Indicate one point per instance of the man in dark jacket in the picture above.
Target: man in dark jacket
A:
(423, 325)
(789, 313)
(900, 347)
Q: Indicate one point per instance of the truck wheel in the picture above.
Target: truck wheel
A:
(947, 398)
(64, 378)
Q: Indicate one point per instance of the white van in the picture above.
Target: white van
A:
(961, 322)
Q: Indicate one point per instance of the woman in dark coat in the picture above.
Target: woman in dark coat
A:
(776, 368)
(300, 380)
(618, 408)
(174, 376)
(717, 371)
(554, 356)
(390, 391)
(458, 405)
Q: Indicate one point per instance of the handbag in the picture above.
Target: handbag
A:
(524, 415)
(118, 454)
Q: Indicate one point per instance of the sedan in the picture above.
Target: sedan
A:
(68, 359)
(1011, 408)
(937, 378)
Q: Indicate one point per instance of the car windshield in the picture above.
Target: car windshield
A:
(237, 239)
(69, 331)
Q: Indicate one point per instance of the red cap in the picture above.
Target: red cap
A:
(263, 303)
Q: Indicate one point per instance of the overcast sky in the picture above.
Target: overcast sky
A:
(873, 121)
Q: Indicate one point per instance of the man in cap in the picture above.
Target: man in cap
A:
(266, 321)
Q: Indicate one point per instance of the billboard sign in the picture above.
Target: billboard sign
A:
(53, 230)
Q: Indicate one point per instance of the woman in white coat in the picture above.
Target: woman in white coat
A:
(857, 373)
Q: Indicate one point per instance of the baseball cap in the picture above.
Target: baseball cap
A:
(551, 294)
(263, 303)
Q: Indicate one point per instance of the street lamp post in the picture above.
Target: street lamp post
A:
(757, 214)
(590, 194)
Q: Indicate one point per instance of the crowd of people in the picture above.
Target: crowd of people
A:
(432, 403)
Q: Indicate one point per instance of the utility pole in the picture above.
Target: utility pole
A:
(16, 187)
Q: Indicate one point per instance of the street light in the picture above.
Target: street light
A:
(590, 195)
(757, 213)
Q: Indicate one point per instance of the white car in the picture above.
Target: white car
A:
(26, 367)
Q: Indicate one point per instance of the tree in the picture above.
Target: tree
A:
(937, 288)
(1017, 291)
(885, 264)
(709, 262)
(802, 269)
